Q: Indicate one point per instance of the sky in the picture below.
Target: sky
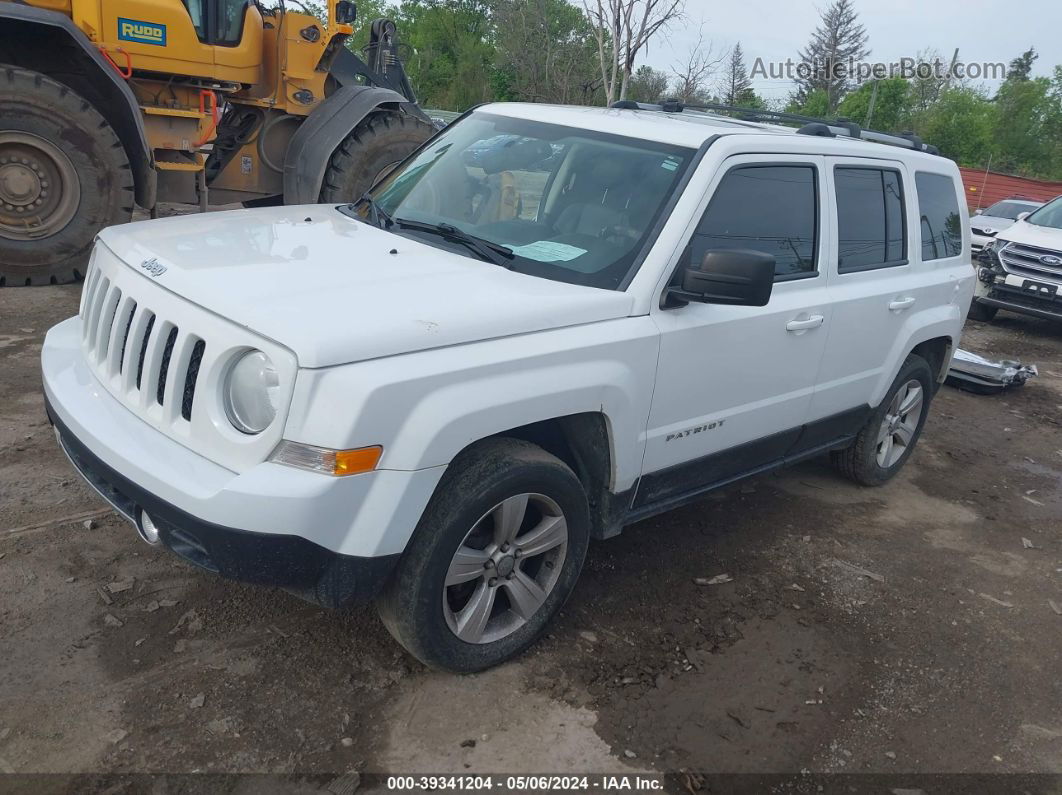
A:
(983, 30)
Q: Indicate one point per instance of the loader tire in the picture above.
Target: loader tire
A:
(64, 176)
(374, 147)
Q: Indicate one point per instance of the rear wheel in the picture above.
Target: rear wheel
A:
(890, 435)
(378, 144)
(64, 176)
(495, 555)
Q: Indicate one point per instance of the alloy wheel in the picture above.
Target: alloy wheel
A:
(900, 423)
(505, 568)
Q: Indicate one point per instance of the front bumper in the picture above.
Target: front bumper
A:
(330, 540)
(1020, 294)
(286, 561)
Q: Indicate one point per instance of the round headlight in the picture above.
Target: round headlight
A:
(251, 394)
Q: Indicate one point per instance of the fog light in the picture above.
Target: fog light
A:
(149, 531)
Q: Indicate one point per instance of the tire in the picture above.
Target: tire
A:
(376, 145)
(424, 614)
(64, 166)
(982, 312)
(864, 462)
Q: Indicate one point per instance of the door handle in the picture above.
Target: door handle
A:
(803, 325)
(900, 304)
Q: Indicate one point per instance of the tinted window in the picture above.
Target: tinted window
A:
(938, 211)
(870, 225)
(773, 209)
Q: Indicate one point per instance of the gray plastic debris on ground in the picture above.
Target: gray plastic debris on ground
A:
(986, 377)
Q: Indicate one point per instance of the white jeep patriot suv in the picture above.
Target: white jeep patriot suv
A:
(547, 323)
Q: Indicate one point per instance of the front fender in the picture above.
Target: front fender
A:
(424, 408)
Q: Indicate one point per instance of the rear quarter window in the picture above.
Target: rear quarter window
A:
(940, 223)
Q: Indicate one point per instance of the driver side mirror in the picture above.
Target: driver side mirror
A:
(978, 211)
(738, 277)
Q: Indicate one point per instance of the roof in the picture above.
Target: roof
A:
(690, 127)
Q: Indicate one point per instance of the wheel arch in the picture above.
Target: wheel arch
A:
(937, 351)
(584, 442)
(317, 138)
(50, 43)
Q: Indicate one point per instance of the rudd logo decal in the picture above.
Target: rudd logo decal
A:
(142, 32)
(708, 426)
(153, 267)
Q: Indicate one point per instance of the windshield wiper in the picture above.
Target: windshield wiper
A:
(377, 215)
(486, 249)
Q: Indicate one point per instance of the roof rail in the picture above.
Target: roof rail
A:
(811, 125)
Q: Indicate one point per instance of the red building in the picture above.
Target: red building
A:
(983, 189)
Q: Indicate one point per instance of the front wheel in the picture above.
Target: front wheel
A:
(890, 435)
(494, 557)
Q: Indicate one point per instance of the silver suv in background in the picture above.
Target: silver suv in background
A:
(986, 224)
(1021, 269)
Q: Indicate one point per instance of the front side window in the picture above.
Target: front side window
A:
(870, 222)
(938, 211)
(768, 208)
(571, 205)
(230, 22)
(1050, 215)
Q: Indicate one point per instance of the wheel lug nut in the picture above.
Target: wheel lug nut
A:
(504, 547)
(509, 576)
(518, 553)
(44, 183)
(492, 581)
(488, 564)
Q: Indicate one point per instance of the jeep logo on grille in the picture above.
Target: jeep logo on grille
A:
(153, 267)
(1051, 259)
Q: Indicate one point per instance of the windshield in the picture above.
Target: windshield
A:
(572, 205)
(1048, 215)
(1010, 210)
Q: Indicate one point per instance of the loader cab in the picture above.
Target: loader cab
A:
(215, 39)
(218, 22)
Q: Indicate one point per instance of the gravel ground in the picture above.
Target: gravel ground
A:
(903, 629)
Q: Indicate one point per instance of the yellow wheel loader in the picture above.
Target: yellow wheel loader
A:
(107, 103)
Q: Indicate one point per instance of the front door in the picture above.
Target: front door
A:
(734, 383)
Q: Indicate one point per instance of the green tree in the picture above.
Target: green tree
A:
(961, 124)
(838, 39)
(451, 51)
(891, 109)
(647, 85)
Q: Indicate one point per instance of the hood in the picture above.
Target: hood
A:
(1032, 235)
(991, 222)
(336, 290)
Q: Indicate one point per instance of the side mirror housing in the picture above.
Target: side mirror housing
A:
(1023, 216)
(978, 211)
(738, 277)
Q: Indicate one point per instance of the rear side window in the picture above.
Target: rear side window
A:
(773, 209)
(938, 211)
(870, 220)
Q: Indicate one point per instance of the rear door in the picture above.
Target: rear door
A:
(872, 283)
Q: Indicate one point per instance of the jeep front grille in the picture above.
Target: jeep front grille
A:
(147, 354)
(1023, 260)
